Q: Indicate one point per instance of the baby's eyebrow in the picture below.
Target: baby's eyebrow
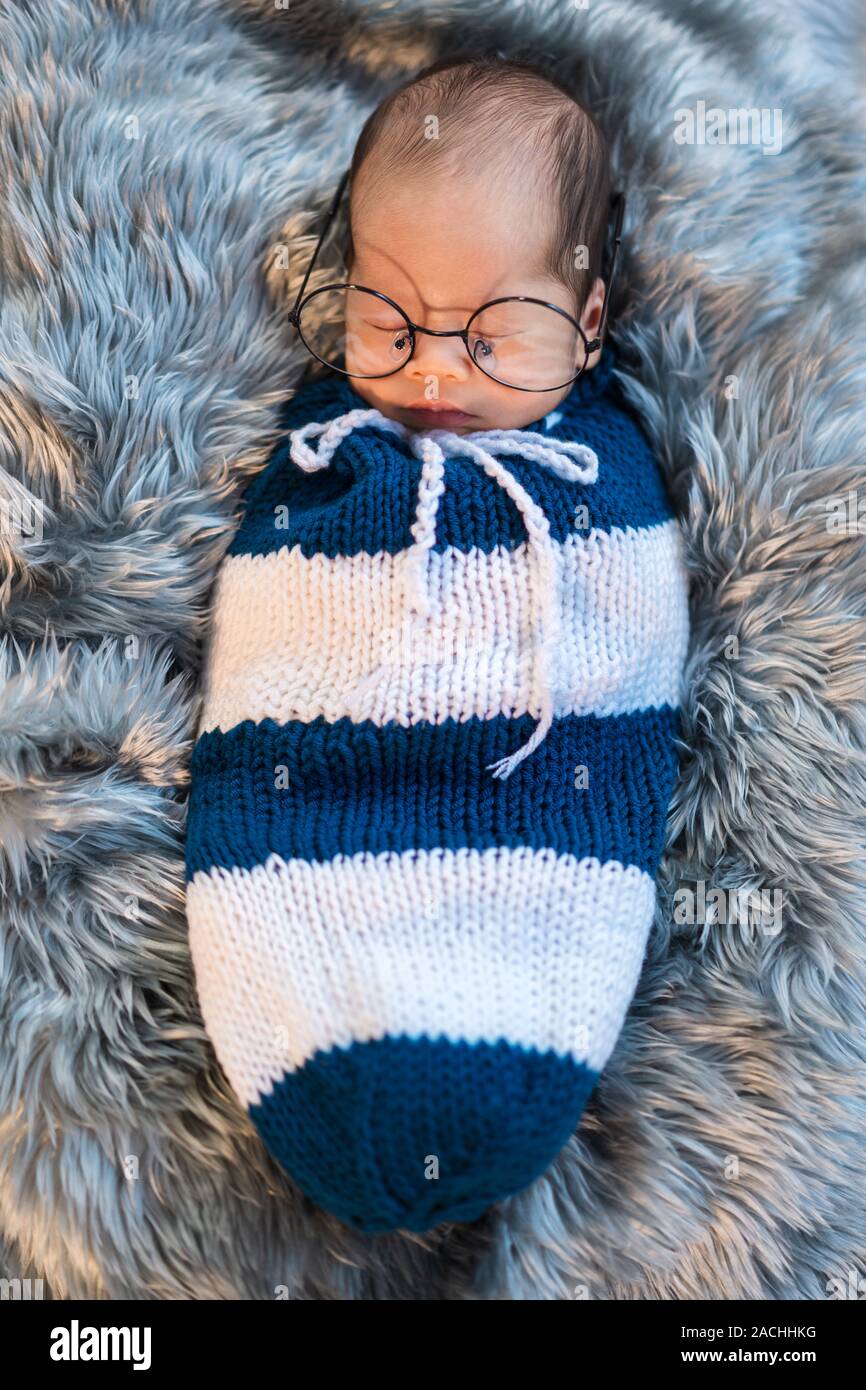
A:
(459, 312)
(462, 308)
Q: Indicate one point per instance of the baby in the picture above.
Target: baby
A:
(438, 738)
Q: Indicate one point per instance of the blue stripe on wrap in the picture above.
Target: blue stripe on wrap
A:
(365, 500)
(354, 787)
(494, 1115)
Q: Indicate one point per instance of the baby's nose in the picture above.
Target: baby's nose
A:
(443, 358)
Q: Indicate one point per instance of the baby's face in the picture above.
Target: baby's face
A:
(440, 250)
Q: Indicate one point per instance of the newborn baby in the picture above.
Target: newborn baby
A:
(438, 737)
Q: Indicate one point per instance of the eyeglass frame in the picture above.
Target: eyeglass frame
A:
(617, 203)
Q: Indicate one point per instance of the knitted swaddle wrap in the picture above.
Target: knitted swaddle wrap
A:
(429, 792)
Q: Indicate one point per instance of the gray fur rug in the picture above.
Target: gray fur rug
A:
(160, 163)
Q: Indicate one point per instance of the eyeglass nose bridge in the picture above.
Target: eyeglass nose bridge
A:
(415, 328)
(440, 332)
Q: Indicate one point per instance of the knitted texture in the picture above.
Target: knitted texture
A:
(429, 792)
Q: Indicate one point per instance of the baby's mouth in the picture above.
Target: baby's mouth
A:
(438, 414)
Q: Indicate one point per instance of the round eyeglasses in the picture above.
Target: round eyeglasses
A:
(521, 342)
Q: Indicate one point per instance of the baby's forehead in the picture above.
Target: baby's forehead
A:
(497, 203)
(465, 230)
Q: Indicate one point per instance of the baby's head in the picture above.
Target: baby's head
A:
(476, 180)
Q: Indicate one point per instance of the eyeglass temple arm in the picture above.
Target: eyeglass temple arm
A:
(619, 200)
(335, 203)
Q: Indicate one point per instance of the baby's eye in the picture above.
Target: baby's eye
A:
(485, 342)
(385, 327)
(497, 337)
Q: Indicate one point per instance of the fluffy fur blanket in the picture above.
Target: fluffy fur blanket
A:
(162, 163)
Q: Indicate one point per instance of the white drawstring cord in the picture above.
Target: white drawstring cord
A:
(575, 463)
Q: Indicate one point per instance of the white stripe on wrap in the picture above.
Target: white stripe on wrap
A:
(540, 949)
(296, 637)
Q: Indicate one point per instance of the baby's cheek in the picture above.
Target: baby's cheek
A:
(372, 396)
(360, 387)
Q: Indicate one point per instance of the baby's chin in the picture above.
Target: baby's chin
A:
(475, 427)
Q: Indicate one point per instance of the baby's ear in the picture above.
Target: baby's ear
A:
(590, 319)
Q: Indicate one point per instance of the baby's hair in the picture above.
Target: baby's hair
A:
(497, 112)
